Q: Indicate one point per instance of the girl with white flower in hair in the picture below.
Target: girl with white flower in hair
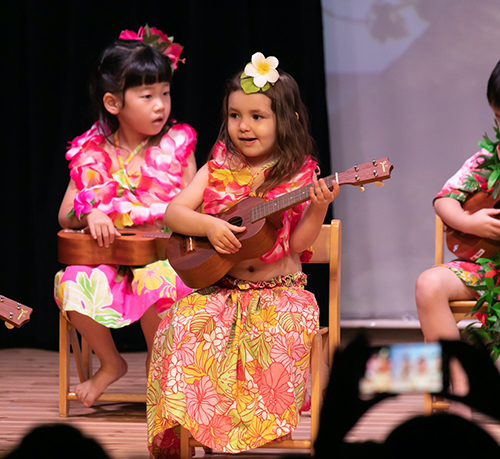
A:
(230, 362)
(124, 171)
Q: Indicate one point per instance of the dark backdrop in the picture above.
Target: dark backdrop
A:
(50, 48)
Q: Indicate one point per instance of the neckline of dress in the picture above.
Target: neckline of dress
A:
(124, 164)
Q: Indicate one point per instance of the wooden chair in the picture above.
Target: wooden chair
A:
(68, 336)
(459, 309)
(327, 250)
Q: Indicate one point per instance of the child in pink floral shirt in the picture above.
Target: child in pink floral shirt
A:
(231, 361)
(124, 172)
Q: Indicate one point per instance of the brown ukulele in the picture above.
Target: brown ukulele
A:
(468, 247)
(133, 248)
(13, 313)
(199, 265)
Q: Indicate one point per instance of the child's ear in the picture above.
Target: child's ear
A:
(112, 103)
(297, 115)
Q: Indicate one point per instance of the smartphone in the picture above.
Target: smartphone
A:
(405, 367)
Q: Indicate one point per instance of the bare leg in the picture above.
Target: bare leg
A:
(434, 289)
(149, 325)
(113, 366)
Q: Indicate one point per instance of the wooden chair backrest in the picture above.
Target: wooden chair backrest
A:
(327, 249)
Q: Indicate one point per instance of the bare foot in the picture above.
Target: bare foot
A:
(283, 438)
(89, 390)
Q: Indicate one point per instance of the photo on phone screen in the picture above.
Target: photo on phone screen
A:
(407, 367)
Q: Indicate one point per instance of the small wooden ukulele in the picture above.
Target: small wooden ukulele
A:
(199, 265)
(13, 313)
(133, 248)
(468, 247)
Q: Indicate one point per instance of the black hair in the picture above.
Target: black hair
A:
(493, 90)
(123, 65)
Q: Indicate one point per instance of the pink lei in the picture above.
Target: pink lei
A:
(129, 198)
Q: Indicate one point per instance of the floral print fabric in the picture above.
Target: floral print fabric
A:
(460, 186)
(229, 184)
(230, 363)
(116, 296)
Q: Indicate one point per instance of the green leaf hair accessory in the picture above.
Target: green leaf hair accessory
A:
(157, 39)
(259, 73)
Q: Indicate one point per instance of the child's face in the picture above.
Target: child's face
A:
(252, 126)
(145, 109)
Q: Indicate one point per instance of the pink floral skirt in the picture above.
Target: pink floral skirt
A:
(116, 296)
(230, 363)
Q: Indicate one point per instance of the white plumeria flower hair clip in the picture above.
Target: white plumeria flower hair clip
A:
(259, 73)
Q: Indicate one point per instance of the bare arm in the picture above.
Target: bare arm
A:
(100, 225)
(189, 171)
(309, 226)
(181, 216)
(481, 223)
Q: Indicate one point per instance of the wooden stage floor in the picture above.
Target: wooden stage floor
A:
(29, 397)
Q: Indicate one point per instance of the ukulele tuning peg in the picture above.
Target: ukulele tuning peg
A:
(9, 325)
(379, 183)
(361, 188)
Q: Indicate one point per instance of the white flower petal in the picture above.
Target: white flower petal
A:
(272, 76)
(260, 80)
(250, 70)
(257, 58)
(272, 61)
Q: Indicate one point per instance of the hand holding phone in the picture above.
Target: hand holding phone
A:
(405, 367)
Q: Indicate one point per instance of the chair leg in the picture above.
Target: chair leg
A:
(186, 450)
(63, 366)
(316, 352)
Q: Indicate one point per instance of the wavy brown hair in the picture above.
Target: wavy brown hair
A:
(293, 140)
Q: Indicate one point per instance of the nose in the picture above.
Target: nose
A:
(160, 104)
(244, 125)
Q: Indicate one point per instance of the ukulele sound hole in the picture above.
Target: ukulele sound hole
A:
(236, 221)
(128, 234)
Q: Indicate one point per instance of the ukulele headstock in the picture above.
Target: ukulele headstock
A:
(376, 170)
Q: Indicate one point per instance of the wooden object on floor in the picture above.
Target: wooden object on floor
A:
(68, 338)
(459, 309)
(327, 250)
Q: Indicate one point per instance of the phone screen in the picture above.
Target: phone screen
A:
(408, 367)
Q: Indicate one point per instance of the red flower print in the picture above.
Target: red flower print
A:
(201, 400)
(215, 435)
(275, 388)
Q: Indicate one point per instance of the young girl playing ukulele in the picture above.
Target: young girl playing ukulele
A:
(124, 172)
(438, 285)
(230, 362)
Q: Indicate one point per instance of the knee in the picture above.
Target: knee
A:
(427, 287)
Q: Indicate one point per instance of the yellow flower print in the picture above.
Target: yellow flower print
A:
(151, 277)
(261, 431)
(242, 177)
(265, 319)
(191, 304)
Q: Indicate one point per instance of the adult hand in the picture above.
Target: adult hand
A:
(343, 407)
(482, 374)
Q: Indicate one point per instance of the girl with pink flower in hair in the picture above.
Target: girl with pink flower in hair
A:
(124, 172)
(230, 362)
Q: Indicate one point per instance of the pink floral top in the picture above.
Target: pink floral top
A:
(469, 179)
(129, 198)
(229, 184)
